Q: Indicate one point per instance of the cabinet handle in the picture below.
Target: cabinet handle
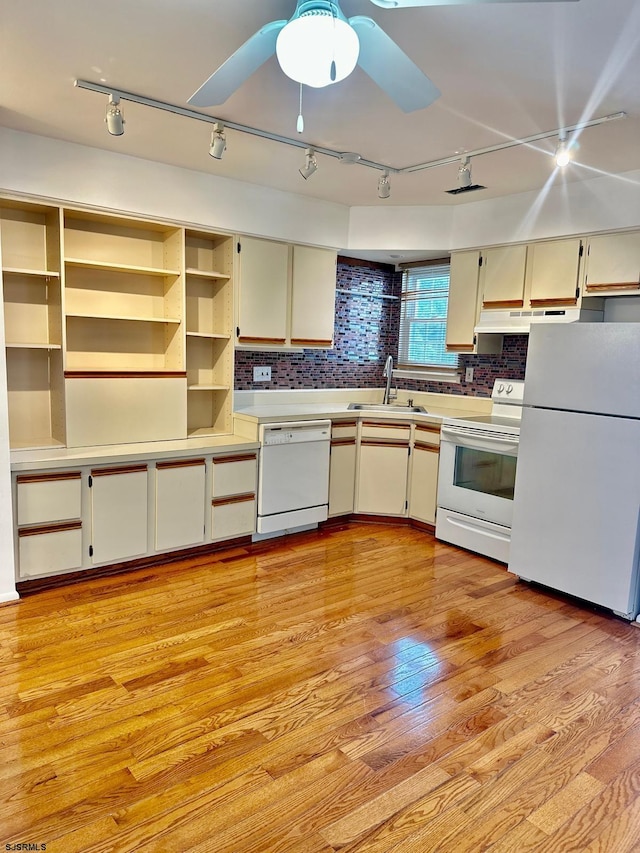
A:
(239, 457)
(342, 442)
(628, 285)
(421, 445)
(309, 342)
(425, 428)
(180, 463)
(369, 443)
(41, 529)
(550, 303)
(247, 340)
(48, 478)
(460, 347)
(125, 374)
(122, 469)
(503, 303)
(233, 499)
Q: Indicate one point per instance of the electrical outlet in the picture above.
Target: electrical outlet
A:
(468, 374)
(262, 374)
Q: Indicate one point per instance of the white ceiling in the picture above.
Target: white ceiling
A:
(505, 70)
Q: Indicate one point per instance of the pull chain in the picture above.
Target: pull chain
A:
(300, 125)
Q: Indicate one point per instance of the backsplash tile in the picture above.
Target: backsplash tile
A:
(366, 331)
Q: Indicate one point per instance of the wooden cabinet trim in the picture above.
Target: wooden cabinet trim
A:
(342, 442)
(460, 347)
(428, 428)
(422, 445)
(180, 463)
(234, 499)
(125, 374)
(238, 457)
(118, 469)
(310, 342)
(552, 303)
(623, 285)
(246, 340)
(386, 425)
(503, 303)
(48, 478)
(343, 424)
(56, 527)
(368, 442)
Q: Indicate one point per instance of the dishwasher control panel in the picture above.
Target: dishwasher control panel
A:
(294, 433)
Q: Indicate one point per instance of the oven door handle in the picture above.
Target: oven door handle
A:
(495, 444)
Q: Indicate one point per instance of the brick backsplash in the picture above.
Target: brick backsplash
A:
(366, 331)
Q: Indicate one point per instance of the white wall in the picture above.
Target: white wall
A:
(600, 204)
(63, 171)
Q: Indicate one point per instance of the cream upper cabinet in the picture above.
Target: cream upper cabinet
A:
(286, 294)
(263, 292)
(463, 305)
(503, 276)
(313, 296)
(613, 264)
(552, 272)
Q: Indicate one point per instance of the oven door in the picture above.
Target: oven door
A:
(477, 474)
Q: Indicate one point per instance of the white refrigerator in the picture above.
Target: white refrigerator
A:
(576, 506)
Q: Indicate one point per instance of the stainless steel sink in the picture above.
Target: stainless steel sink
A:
(381, 407)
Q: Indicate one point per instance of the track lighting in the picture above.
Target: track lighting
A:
(218, 141)
(563, 154)
(114, 117)
(384, 187)
(464, 173)
(310, 165)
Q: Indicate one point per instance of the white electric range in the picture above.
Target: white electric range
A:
(477, 474)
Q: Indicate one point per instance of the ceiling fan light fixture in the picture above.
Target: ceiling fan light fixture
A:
(114, 117)
(562, 154)
(384, 187)
(218, 141)
(319, 47)
(464, 173)
(310, 165)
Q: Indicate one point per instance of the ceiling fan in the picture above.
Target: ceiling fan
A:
(319, 46)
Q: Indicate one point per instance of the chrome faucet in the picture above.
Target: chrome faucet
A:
(388, 374)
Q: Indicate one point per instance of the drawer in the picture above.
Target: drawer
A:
(48, 497)
(343, 429)
(234, 474)
(386, 431)
(49, 549)
(427, 434)
(233, 516)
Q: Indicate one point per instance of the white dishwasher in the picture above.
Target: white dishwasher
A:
(293, 482)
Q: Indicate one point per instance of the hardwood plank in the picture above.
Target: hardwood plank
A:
(361, 688)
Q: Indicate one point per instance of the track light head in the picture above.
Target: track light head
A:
(310, 165)
(114, 117)
(384, 187)
(218, 141)
(464, 173)
(563, 152)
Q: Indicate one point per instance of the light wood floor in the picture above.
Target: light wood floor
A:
(361, 689)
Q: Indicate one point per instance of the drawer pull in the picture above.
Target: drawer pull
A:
(180, 463)
(58, 527)
(233, 499)
(48, 478)
(122, 469)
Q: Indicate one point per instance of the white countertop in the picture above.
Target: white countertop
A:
(312, 411)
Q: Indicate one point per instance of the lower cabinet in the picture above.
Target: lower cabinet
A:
(48, 512)
(424, 473)
(118, 513)
(233, 504)
(342, 468)
(383, 469)
(180, 503)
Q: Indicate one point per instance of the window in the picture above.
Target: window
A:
(423, 318)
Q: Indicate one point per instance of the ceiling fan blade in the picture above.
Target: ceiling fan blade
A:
(239, 67)
(404, 4)
(390, 67)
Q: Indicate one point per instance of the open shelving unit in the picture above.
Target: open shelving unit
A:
(117, 329)
(30, 241)
(209, 326)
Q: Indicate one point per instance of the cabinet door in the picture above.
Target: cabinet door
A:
(119, 513)
(503, 271)
(180, 503)
(313, 296)
(263, 292)
(342, 476)
(424, 482)
(462, 310)
(553, 270)
(613, 263)
(382, 478)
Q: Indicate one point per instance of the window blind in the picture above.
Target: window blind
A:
(423, 317)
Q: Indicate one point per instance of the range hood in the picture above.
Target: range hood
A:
(518, 322)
